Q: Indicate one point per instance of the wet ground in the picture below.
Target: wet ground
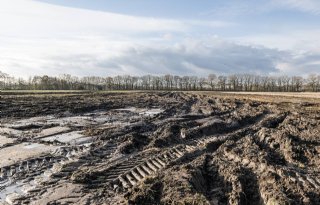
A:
(158, 148)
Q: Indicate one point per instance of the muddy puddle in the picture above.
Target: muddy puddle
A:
(39, 146)
(142, 111)
(65, 137)
(23, 151)
(5, 140)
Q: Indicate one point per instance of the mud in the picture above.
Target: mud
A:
(158, 148)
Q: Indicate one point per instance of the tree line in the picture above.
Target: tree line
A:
(234, 82)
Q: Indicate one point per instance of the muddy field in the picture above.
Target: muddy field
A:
(158, 148)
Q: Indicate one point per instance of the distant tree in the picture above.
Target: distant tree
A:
(185, 82)
(201, 83)
(168, 81)
(248, 82)
(212, 81)
(3, 80)
(296, 83)
(233, 82)
(222, 83)
(193, 85)
(313, 82)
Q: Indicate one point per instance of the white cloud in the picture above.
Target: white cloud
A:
(38, 38)
(42, 38)
(235, 8)
(36, 19)
(301, 64)
(190, 57)
(309, 6)
(253, 7)
(295, 40)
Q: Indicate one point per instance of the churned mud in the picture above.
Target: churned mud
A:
(158, 148)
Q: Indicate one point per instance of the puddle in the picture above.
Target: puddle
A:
(99, 118)
(10, 131)
(65, 137)
(151, 112)
(33, 146)
(113, 124)
(130, 109)
(20, 187)
(29, 128)
(76, 121)
(30, 123)
(11, 189)
(5, 140)
(20, 152)
(81, 141)
(102, 119)
(142, 111)
(52, 131)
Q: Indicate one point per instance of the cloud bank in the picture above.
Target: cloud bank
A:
(38, 38)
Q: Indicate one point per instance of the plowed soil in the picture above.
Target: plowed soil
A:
(159, 148)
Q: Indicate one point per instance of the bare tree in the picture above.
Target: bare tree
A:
(212, 81)
(296, 83)
(247, 81)
(222, 83)
(168, 81)
(313, 81)
(3, 80)
(185, 82)
(201, 83)
(234, 82)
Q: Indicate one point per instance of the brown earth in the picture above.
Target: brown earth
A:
(159, 148)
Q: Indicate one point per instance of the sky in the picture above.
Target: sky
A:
(140, 37)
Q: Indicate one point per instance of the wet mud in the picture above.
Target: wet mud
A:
(157, 148)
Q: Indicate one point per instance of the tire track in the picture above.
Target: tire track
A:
(124, 179)
(269, 174)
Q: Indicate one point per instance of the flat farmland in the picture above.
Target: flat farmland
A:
(280, 96)
(159, 148)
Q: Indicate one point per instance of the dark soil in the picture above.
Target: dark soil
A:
(201, 149)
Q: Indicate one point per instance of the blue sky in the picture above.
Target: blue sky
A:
(104, 37)
(166, 9)
(258, 16)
